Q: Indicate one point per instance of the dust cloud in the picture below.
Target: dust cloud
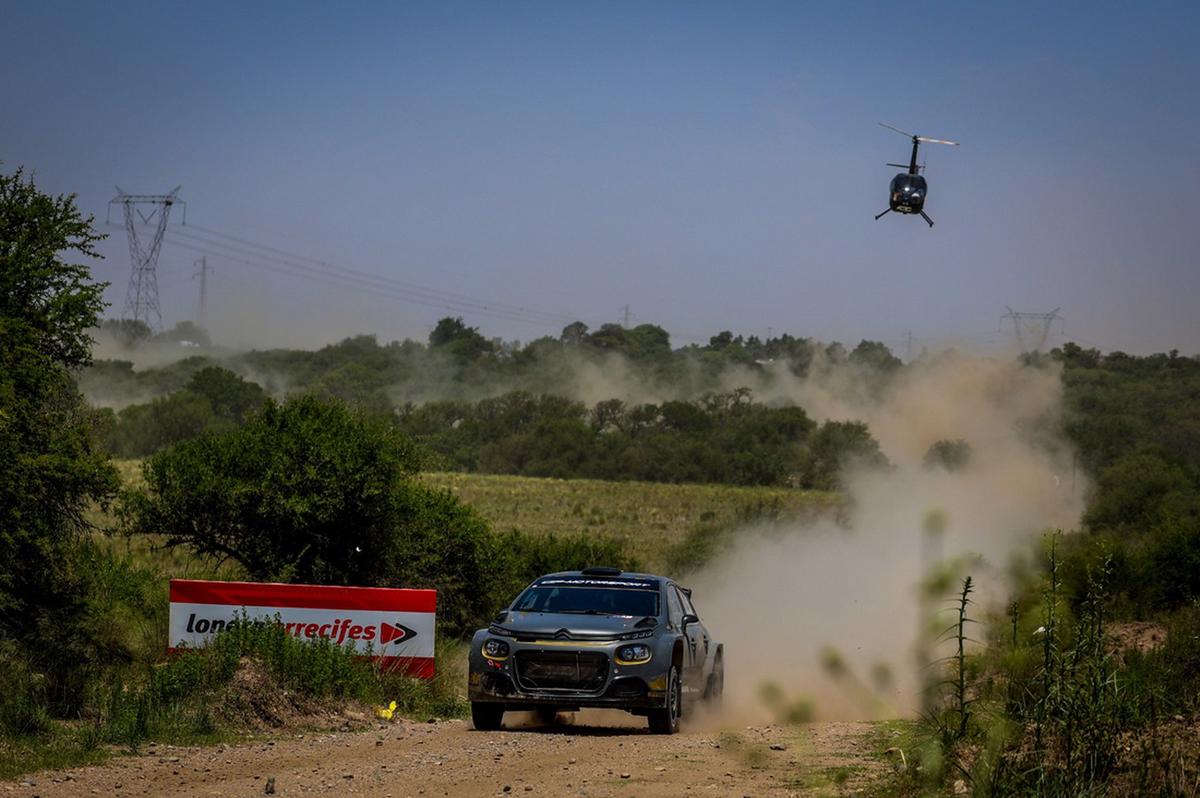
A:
(785, 597)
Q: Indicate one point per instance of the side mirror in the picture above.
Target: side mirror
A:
(688, 619)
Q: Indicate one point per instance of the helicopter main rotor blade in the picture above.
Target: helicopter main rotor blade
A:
(937, 141)
(898, 130)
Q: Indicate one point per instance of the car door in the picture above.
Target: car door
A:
(690, 607)
(696, 639)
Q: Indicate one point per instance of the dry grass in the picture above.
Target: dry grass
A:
(649, 517)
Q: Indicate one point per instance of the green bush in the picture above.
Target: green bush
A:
(24, 705)
(213, 400)
(313, 491)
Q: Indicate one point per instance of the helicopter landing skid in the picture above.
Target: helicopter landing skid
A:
(924, 216)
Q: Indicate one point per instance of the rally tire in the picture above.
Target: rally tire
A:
(666, 719)
(716, 683)
(485, 716)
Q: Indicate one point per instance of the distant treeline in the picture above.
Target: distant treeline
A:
(458, 362)
(722, 438)
(477, 404)
(725, 438)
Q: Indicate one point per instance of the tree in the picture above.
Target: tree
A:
(1134, 492)
(574, 333)
(835, 447)
(127, 332)
(314, 491)
(463, 342)
(610, 336)
(649, 340)
(875, 356)
(231, 397)
(51, 467)
(947, 454)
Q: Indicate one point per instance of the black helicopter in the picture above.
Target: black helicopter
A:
(908, 190)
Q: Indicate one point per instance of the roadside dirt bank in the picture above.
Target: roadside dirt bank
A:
(591, 757)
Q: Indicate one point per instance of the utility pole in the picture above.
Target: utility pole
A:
(1031, 327)
(202, 273)
(141, 299)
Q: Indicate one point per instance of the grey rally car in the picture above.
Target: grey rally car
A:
(595, 638)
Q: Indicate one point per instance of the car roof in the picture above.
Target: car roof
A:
(623, 576)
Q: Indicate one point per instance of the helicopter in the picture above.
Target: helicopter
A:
(908, 190)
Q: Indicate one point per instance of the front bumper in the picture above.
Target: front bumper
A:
(540, 674)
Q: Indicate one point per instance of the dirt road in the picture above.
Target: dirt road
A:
(594, 757)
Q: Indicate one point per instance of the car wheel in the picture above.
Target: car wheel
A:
(666, 719)
(716, 683)
(485, 716)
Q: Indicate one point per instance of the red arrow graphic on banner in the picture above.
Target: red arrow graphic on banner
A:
(398, 633)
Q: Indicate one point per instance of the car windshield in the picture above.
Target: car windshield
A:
(589, 600)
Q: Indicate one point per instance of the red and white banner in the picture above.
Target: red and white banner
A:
(392, 625)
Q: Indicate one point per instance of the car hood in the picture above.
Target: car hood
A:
(571, 625)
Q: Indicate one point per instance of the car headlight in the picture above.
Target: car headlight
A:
(633, 654)
(495, 649)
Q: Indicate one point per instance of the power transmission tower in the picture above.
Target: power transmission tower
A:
(202, 272)
(1031, 328)
(141, 300)
(625, 316)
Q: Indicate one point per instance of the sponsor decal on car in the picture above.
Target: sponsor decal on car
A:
(585, 582)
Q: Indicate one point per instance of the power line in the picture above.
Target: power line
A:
(254, 249)
(374, 285)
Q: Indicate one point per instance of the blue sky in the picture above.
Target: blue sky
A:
(713, 166)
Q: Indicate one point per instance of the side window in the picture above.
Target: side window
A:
(674, 608)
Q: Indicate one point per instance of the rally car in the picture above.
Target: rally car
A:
(595, 638)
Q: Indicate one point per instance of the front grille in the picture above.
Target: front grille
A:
(561, 670)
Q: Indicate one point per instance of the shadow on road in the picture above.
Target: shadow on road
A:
(593, 723)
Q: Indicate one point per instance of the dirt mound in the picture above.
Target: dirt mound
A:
(1141, 636)
(256, 701)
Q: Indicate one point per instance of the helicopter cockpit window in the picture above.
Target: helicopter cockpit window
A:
(908, 184)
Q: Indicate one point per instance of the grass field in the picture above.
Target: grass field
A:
(648, 517)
